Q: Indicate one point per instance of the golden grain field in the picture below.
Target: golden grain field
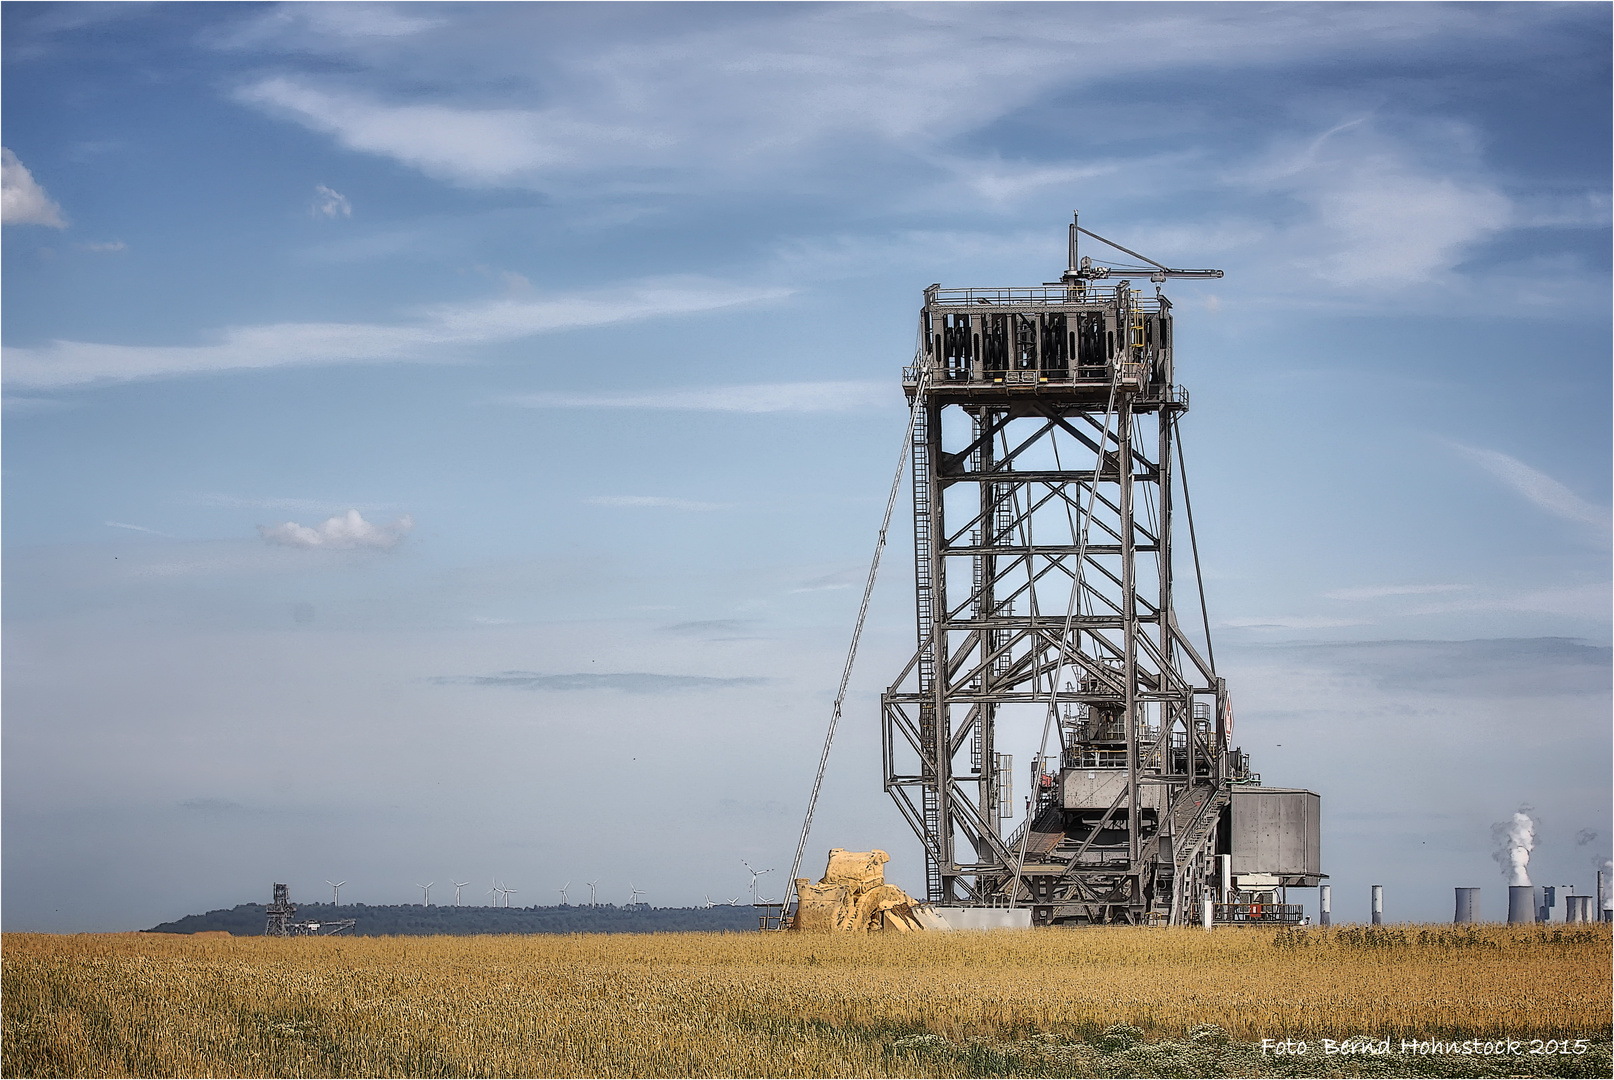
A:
(765, 1004)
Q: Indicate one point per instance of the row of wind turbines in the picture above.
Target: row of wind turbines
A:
(504, 892)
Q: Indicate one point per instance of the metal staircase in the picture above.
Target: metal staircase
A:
(1203, 804)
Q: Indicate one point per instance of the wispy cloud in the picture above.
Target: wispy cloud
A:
(239, 502)
(329, 203)
(347, 531)
(1488, 667)
(841, 579)
(652, 501)
(208, 804)
(26, 404)
(22, 200)
(1290, 622)
(1537, 487)
(1382, 210)
(1586, 600)
(712, 629)
(1377, 592)
(326, 26)
(1000, 182)
(794, 94)
(108, 247)
(486, 146)
(753, 398)
(134, 528)
(433, 335)
(630, 682)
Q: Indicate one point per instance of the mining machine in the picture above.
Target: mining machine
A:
(1046, 473)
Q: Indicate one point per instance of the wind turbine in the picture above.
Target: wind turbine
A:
(591, 892)
(458, 885)
(507, 892)
(565, 900)
(335, 890)
(708, 898)
(754, 875)
(633, 901)
(427, 890)
(734, 901)
(494, 891)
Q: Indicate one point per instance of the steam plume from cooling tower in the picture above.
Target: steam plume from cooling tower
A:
(1515, 839)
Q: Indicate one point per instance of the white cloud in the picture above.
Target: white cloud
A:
(328, 203)
(755, 398)
(786, 92)
(349, 530)
(652, 501)
(105, 248)
(1383, 211)
(1000, 182)
(22, 200)
(488, 146)
(1537, 487)
(431, 336)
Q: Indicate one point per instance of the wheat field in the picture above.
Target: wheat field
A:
(941, 1004)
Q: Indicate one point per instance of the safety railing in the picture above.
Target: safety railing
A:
(1042, 294)
(1258, 914)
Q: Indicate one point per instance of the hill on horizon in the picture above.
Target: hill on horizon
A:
(247, 920)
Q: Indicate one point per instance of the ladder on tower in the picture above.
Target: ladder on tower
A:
(924, 592)
(977, 612)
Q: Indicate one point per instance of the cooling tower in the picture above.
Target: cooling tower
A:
(1467, 906)
(1521, 904)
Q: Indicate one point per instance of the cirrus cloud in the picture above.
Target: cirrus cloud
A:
(1537, 487)
(828, 396)
(431, 335)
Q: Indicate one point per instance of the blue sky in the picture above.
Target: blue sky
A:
(357, 356)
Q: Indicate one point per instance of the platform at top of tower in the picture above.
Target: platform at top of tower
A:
(1076, 344)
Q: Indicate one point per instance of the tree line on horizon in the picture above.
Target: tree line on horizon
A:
(246, 920)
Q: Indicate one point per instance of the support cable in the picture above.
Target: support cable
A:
(1188, 504)
(857, 632)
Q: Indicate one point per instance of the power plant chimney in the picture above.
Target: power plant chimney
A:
(1467, 906)
(1378, 904)
(1521, 904)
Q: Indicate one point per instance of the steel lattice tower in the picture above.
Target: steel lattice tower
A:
(1043, 452)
